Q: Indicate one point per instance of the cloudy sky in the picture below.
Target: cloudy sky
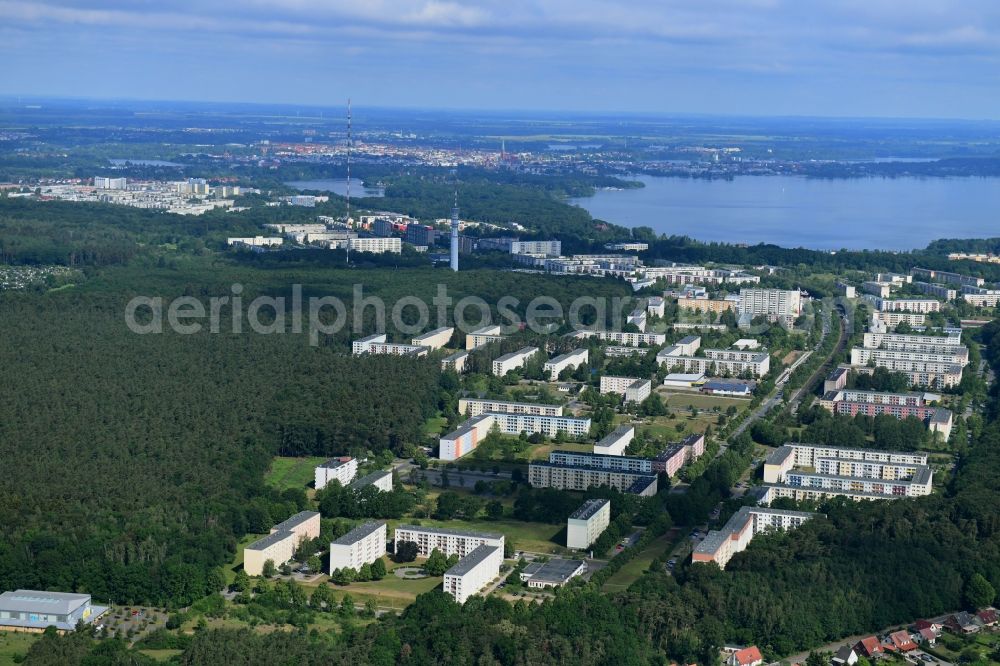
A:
(904, 58)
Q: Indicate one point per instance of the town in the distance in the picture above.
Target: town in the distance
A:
(403, 399)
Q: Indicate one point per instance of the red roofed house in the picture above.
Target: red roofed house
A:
(749, 656)
(902, 640)
(936, 627)
(869, 647)
(988, 616)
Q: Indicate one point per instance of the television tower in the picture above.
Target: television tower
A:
(454, 233)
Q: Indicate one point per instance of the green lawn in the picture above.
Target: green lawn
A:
(435, 425)
(292, 472)
(161, 655)
(12, 644)
(633, 571)
(701, 401)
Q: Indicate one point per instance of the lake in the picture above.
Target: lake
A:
(792, 211)
(337, 186)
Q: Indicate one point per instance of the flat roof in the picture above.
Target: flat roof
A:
(589, 508)
(467, 426)
(593, 456)
(846, 448)
(472, 560)
(450, 532)
(920, 477)
(556, 570)
(615, 435)
(429, 334)
(270, 540)
(511, 402)
(369, 479)
(519, 352)
(730, 383)
(779, 455)
(640, 484)
(491, 329)
(566, 356)
(589, 468)
(334, 463)
(359, 532)
(684, 377)
(295, 521)
(457, 355)
(688, 339)
(37, 601)
(372, 338)
(669, 452)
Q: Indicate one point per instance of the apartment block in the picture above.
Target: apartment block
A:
(570, 360)
(922, 369)
(381, 479)
(880, 289)
(717, 306)
(614, 351)
(939, 290)
(279, 546)
(638, 319)
(341, 469)
(945, 276)
(633, 389)
(981, 298)
(670, 460)
(483, 336)
(656, 306)
(587, 523)
(720, 545)
(473, 572)
(513, 361)
(376, 344)
(771, 302)
(900, 405)
(435, 339)
(467, 437)
(623, 338)
(455, 361)
(600, 461)
(917, 305)
(362, 545)
(477, 406)
(723, 361)
(615, 443)
(449, 542)
(892, 318)
(543, 474)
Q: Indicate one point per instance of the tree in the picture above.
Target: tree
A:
(269, 570)
(979, 592)
(343, 576)
(449, 503)
(365, 572)
(321, 597)
(315, 564)
(378, 569)
(347, 606)
(436, 564)
(406, 551)
(241, 583)
(370, 607)
(494, 510)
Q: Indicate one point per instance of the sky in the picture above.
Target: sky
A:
(893, 58)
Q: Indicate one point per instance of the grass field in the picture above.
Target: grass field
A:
(292, 472)
(435, 425)
(12, 644)
(161, 655)
(542, 451)
(633, 571)
(688, 400)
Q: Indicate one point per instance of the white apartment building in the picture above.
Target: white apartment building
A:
(918, 305)
(720, 545)
(467, 437)
(771, 302)
(381, 480)
(482, 336)
(543, 474)
(341, 469)
(376, 344)
(256, 241)
(455, 361)
(599, 461)
(435, 339)
(279, 546)
(943, 344)
(477, 406)
(932, 370)
(723, 361)
(449, 542)
(571, 360)
(513, 360)
(945, 276)
(981, 298)
(631, 388)
(374, 245)
(615, 443)
(473, 572)
(623, 338)
(626, 247)
(615, 351)
(938, 290)
(656, 306)
(102, 183)
(587, 523)
(892, 318)
(880, 289)
(638, 318)
(362, 545)
(550, 248)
